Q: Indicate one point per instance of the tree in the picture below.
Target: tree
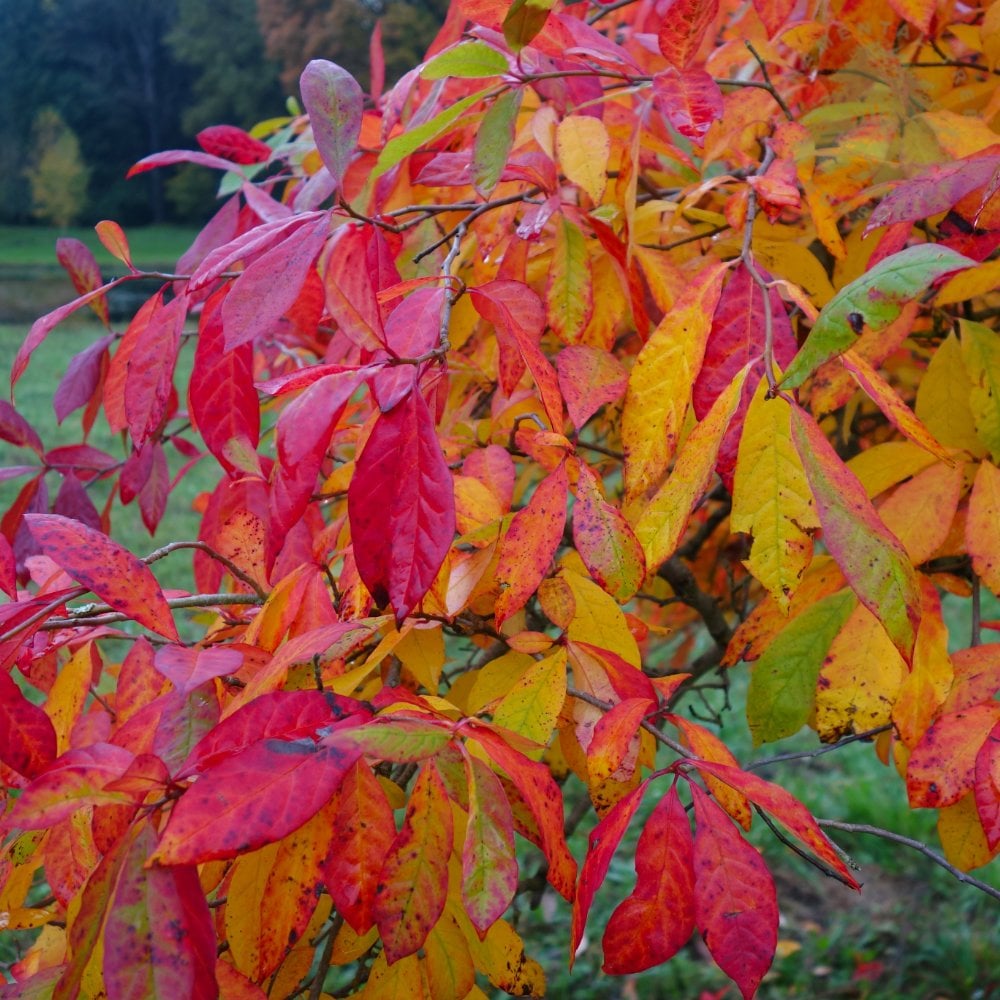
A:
(57, 174)
(612, 348)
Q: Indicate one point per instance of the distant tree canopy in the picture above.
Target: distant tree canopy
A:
(130, 78)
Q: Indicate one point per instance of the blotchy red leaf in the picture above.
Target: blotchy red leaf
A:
(113, 573)
(616, 736)
(83, 270)
(159, 942)
(655, 922)
(189, 667)
(589, 378)
(254, 798)
(401, 506)
(27, 739)
(683, 28)
(232, 143)
(531, 542)
(413, 884)
(362, 835)
(736, 907)
(543, 798)
(413, 329)
(602, 844)
(987, 787)
(690, 100)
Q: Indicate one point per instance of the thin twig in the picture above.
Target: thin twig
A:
(811, 859)
(976, 638)
(217, 556)
(916, 845)
(97, 615)
(42, 613)
(778, 758)
(767, 81)
(606, 706)
(324, 963)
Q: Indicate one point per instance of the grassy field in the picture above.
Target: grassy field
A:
(35, 245)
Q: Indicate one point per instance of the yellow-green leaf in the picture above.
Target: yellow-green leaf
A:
(943, 399)
(569, 294)
(583, 146)
(532, 705)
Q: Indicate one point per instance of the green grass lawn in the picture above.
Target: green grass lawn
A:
(35, 245)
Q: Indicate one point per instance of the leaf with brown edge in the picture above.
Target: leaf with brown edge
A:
(873, 559)
(602, 844)
(116, 576)
(413, 883)
(254, 798)
(531, 542)
(159, 941)
(941, 768)
(543, 798)
(736, 908)
(363, 832)
(657, 920)
(489, 865)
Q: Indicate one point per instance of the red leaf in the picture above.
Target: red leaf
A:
(413, 329)
(155, 490)
(690, 100)
(683, 28)
(987, 787)
(543, 798)
(83, 375)
(27, 739)
(16, 430)
(736, 909)
(362, 837)
(627, 680)
(413, 884)
(76, 779)
(171, 157)
(401, 506)
(44, 325)
(601, 846)
(655, 922)
(8, 569)
(288, 715)
(936, 190)
(785, 808)
(303, 436)
(376, 63)
(149, 380)
(531, 542)
(941, 768)
(268, 288)
(189, 667)
(254, 798)
(232, 143)
(221, 394)
(103, 566)
(589, 378)
(81, 265)
(615, 735)
(159, 942)
(335, 102)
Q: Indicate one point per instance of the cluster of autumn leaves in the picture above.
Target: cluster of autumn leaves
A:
(573, 367)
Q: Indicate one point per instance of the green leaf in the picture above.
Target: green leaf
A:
(875, 299)
(494, 140)
(783, 682)
(400, 146)
(524, 20)
(470, 60)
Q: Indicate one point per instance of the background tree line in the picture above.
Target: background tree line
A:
(91, 86)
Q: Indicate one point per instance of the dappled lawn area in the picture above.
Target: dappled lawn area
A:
(34, 400)
(35, 245)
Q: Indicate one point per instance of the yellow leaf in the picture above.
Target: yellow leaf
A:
(981, 354)
(917, 12)
(496, 679)
(969, 284)
(884, 465)
(925, 688)
(771, 498)
(597, 618)
(583, 146)
(295, 968)
(859, 679)
(404, 978)
(943, 400)
(448, 963)
(500, 955)
(920, 511)
(422, 653)
(349, 946)
(661, 525)
(68, 694)
(532, 705)
(244, 916)
(961, 832)
(982, 530)
(991, 35)
(659, 385)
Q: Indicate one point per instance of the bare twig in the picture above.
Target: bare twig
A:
(768, 86)
(916, 845)
(811, 859)
(606, 706)
(217, 556)
(102, 614)
(778, 758)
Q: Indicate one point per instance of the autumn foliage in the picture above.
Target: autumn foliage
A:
(609, 350)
